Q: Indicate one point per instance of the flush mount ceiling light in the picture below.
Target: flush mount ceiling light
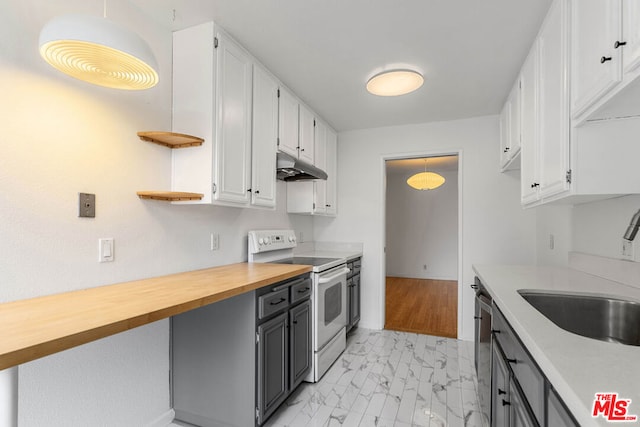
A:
(395, 82)
(425, 180)
(98, 51)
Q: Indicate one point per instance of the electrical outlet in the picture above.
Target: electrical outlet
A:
(215, 241)
(424, 267)
(627, 249)
(86, 205)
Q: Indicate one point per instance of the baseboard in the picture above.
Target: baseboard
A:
(163, 420)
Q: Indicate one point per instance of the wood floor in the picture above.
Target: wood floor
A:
(423, 306)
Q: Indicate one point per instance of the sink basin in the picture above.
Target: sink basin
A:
(593, 316)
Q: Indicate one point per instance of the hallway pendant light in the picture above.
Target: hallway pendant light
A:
(98, 51)
(425, 180)
(395, 82)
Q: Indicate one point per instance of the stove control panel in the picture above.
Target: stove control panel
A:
(271, 240)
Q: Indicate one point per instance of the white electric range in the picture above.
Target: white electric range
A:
(328, 299)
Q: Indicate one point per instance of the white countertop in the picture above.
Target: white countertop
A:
(576, 366)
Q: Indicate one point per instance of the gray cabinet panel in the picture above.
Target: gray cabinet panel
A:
(557, 414)
(273, 358)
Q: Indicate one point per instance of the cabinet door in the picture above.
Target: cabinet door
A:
(631, 35)
(264, 140)
(529, 129)
(557, 414)
(354, 300)
(553, 95)
(320, 150)
(233, 122)
(519, 414)
(273, 362)
(332, 171)
(596, 64)
(300, 343)
(306, 134)
(499, 389)
(505, 133)
(288, 123)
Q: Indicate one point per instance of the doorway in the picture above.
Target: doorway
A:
(421, 250)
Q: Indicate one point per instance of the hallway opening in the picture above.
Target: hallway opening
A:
(421, 247)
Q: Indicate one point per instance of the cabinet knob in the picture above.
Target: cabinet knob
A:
(495, 331)
(605, 59)
(535, 184)
(257, 191)
(501, 392)
(617, 44)
(328, 206)
(514, 361)
(248, 190)
(477, 317)
(506, 149)
(302, 149)
(505, 403)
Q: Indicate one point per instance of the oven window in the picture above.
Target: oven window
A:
(332, 303)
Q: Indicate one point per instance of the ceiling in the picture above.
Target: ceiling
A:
(470, 51)
(411, 166)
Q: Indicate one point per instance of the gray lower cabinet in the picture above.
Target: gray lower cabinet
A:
(353, 293)
(273, 364)
(300, 343)
(235, 361)
(521, 396)
(283, 343)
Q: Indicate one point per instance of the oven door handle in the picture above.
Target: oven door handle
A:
(331, 278)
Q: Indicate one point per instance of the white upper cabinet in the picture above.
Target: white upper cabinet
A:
(317, 197)
(288, 123)
(320, 155)
(332, 171)
(265, 136)
(233, 125)
(630, 35)
(545, 110)
(606, 60)
(553, 100)
(307, 135)
(510, 130)
(596, 63)
(216, 96)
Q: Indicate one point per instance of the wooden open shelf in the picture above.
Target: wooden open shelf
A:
(171, 139)
(170, 196)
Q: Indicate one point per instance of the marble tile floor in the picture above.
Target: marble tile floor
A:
(388, 378)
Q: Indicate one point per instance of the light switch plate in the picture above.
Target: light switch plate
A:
(105, 250)
(86, 205)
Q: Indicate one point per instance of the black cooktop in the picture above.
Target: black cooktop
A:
(306, 260)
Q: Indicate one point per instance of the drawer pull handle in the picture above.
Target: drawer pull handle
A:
(514, 361)
(495, 331)
(501, 392)
(278, 302)
(505, 403)
(300, 291)
(605, 59)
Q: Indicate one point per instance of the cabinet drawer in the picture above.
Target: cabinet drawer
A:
(300, 290)
(272, 302)
(526, 372)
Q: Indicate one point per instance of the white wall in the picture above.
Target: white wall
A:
(59, 137)
(422, 229)
(598, 227)
(494, 227)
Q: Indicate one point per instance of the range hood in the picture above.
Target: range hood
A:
(289, 168)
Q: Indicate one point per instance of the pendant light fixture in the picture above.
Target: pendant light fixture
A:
(425, 180)
(98, 51)
(395, 82)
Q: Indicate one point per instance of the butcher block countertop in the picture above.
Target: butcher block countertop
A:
(41, 326)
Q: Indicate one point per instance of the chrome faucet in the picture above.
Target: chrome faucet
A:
(632, 229)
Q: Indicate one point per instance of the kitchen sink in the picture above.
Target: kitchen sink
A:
(593, 316)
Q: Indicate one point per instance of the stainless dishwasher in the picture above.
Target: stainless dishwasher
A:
(483, 347)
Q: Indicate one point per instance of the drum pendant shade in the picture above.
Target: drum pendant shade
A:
(98, 51)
